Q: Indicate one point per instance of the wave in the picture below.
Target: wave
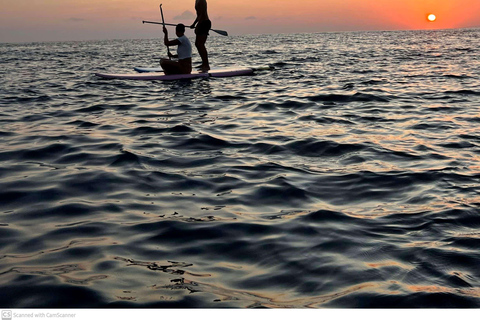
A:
(345, 177)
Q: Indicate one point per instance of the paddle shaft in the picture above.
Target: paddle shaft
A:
(163, 22)
(223, 33)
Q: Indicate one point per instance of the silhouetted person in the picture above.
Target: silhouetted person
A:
(184, 53)
(202, 25)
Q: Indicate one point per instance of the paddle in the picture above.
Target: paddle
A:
(163, 22)
(223, 33)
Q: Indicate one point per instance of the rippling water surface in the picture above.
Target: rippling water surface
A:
(348, 176)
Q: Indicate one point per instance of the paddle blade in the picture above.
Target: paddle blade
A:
(223, 33)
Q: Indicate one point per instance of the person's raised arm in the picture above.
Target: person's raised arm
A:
(167, 42)
(165, 38)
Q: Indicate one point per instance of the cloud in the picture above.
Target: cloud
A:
(251, 18)
(186, 15)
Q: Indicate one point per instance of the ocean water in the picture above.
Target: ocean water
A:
(346, 177)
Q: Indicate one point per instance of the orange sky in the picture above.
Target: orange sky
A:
(50, 20)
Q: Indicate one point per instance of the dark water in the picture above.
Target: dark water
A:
(349, 176)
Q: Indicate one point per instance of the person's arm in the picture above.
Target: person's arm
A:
(194, 23)
(167, 42)
(198, 8)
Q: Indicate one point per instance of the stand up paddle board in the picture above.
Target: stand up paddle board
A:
(226, 72)
(159, 69)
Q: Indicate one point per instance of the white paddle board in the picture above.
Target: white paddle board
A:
(226, 72)
(159, 69)
(141, 69)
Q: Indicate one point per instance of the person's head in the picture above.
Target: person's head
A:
(180, 29)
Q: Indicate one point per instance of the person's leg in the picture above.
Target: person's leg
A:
(170, 67)
(185, 65)
(202, 50)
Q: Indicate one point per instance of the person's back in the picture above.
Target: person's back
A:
(184, 49)
(201, 9)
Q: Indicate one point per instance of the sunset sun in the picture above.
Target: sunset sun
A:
(431, 17)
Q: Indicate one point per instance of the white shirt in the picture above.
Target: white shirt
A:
(184, 49)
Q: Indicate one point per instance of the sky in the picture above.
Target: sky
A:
(75, 20)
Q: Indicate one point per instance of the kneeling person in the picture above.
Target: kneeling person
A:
(184, 53)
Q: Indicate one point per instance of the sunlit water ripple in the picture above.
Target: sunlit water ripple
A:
(348, 176)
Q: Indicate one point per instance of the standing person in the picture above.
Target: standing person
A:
(202, 25)
(184, 53)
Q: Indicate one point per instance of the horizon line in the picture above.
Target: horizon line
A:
(247, 34)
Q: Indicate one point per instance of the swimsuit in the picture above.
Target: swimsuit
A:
(203, 27)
